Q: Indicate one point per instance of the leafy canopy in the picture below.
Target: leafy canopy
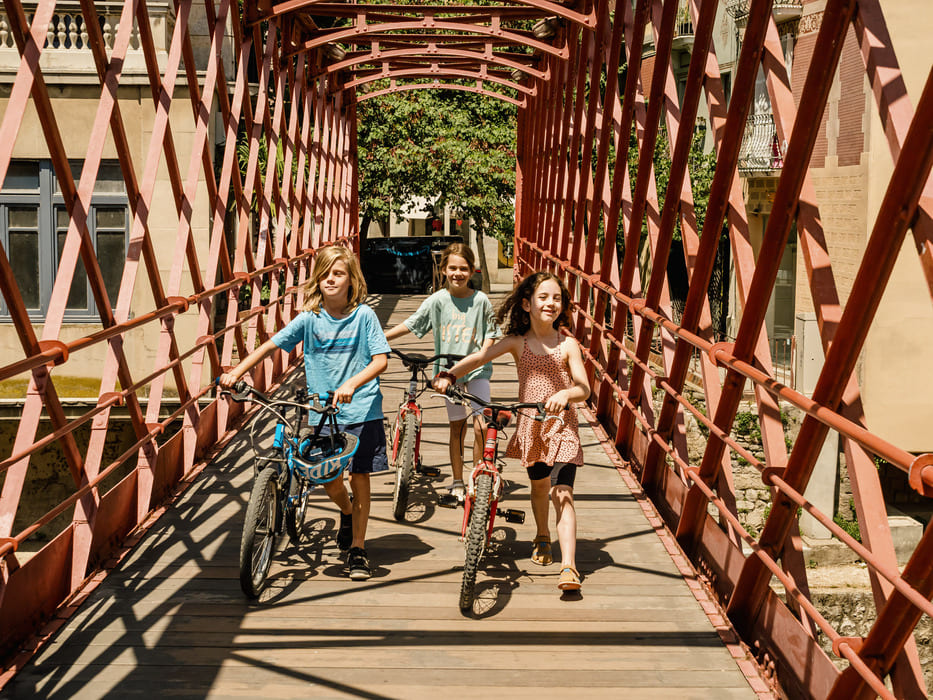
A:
(448, 145)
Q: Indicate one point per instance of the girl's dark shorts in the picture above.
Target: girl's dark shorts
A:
(370, 457)
(562, 473)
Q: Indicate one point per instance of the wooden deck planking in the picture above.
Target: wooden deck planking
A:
(171, 617)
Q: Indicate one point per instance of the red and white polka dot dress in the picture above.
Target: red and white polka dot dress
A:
(540, 376)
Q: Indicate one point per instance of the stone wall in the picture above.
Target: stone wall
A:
(852, 613)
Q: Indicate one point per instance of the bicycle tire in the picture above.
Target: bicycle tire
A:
(296, 507)
(477, 530)
(404, 466)
(257, 543)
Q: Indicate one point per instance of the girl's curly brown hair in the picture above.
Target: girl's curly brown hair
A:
(512, 317)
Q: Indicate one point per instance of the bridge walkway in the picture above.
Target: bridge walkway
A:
(170, 619)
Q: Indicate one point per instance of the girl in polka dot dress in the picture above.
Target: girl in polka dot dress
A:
(550, 369)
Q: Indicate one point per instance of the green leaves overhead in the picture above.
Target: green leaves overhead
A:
(445, 144)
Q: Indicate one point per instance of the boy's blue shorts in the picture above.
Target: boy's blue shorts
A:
(370, 457)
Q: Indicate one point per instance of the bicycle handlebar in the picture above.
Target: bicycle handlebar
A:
(417, 360)
(243, 392)
(456, 393)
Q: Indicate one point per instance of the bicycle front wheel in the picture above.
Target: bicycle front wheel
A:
(296, 507)
(257, 542)
(404, 465)
(477, 529)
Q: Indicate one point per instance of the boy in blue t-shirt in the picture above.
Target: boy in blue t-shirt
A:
(345, 351)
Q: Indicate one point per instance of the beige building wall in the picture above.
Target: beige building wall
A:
(851, 169)
(898, 357)
(75, 97)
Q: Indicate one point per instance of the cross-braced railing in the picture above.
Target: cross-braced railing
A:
(234, 166)
(588, 207)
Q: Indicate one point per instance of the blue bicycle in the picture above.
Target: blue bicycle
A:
(301, 458)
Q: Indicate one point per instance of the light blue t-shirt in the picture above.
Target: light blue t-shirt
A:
(335, 350)
(460, 326)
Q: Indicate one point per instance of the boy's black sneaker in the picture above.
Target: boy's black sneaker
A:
(358, 564)
(345, 532)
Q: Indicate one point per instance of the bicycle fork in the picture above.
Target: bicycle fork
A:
(485, 466)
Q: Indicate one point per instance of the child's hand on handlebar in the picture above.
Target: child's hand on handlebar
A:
(557, 402)
(343, 394)
(227, 380)
(441, 383)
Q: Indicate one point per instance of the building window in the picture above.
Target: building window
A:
(33, 226)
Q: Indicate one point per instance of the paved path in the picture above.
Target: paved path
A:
(170, 620)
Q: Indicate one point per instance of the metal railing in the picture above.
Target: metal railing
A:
(195, 241)
(640, 396)
(761, 151)
(782, 9)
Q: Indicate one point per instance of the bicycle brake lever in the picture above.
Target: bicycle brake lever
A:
(240, 392)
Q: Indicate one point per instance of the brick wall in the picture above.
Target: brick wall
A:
(851, 76)
(803, 54)
(647, 68)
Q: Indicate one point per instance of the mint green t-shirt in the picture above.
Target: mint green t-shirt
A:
(460, 326)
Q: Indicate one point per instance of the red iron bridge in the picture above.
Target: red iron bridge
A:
(147, 240)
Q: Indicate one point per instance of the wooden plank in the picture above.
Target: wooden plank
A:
(172, 616)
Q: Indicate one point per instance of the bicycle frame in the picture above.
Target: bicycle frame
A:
(279, 496)
(415, 364)
(409, 405)
(486, 465)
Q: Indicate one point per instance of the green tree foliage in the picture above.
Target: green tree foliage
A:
(445, 144)
(701, 165)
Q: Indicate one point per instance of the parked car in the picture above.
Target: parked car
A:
(406, 264)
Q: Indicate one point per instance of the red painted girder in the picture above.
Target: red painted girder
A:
(895, 215)
(644, 177)
(634, 27)
(436, 71)
(544, 8)
(387, 39)
(487, 57)
(566, 70)
(358, 34)
(438, 84)
(469, 59)
(869, 503)
(586, 196)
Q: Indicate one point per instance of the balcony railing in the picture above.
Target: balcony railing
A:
(783, 10)
(683, 27)
(761, 151)
(67, 52)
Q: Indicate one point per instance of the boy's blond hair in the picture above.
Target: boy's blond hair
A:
(324, 259)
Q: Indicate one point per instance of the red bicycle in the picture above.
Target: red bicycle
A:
(406, 434)
(484, 488)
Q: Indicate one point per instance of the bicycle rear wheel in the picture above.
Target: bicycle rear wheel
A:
(404, 465)
(296, 507)
(257, 542)
(477, 529)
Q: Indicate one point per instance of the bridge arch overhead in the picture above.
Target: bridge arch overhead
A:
(148, 240)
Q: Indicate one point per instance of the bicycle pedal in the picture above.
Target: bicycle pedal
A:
(450, 500)
(512, 515)
(429, 471)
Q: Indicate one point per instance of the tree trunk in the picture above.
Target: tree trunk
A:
(481, 253)
(364, 229)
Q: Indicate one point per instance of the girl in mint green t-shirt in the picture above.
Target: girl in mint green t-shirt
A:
(462, 321)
